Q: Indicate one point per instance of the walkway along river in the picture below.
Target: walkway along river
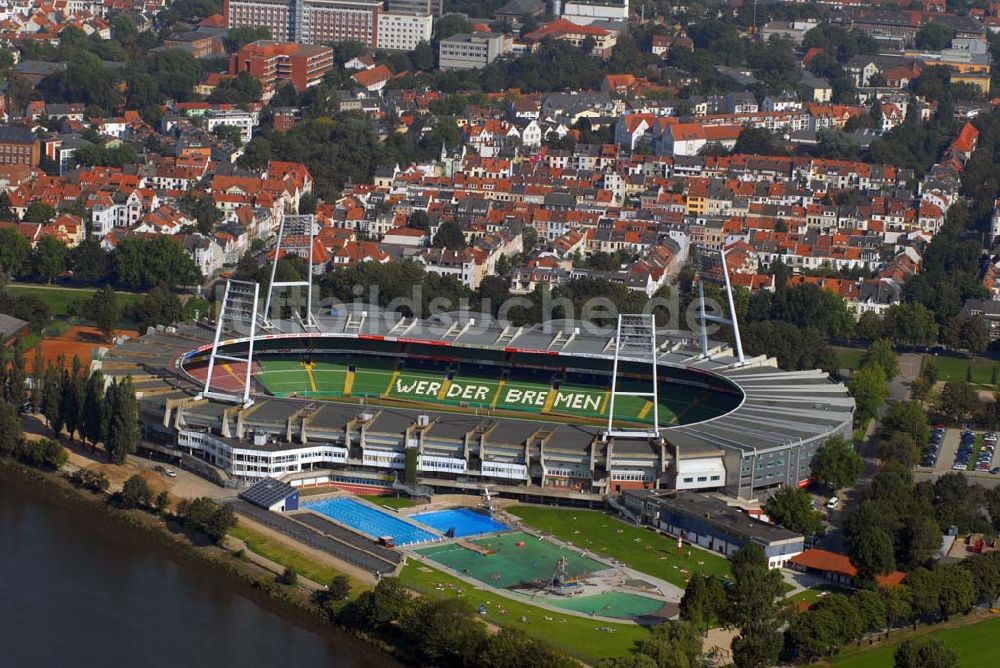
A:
(84, 592)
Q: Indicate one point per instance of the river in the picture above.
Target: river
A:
(76, 592)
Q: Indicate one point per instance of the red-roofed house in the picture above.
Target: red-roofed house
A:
(837, 567)
(373, 80)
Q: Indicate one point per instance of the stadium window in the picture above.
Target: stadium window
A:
(688, 479)
(702, 478)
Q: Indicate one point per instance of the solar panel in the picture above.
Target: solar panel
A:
(267, 492)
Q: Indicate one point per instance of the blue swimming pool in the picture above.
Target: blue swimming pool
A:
(370, 521)
(464, 521)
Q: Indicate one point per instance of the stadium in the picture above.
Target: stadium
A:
(522, 409)
(369, 399)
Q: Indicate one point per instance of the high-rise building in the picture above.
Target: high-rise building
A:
(402, 32)
(308, 21)
(432, 7)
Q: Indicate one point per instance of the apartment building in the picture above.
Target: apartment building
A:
(402, 32)
(19, 146)
(432, 7)
(308, 21)
(274, 64)
(471, 52)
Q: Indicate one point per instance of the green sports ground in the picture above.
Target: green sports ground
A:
(480, 387)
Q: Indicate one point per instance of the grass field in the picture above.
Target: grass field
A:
(391, 501)
(976, 646)
(280, 553)
(331, 377)
(813, 594)
(848, 358)
(957, 368)
(636, 547)
(578, 636)
(59, 299)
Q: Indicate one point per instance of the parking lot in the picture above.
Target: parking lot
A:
(961, 450)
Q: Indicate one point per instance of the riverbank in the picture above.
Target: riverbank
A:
(191, 552)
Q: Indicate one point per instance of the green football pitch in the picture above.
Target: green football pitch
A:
(471, 388)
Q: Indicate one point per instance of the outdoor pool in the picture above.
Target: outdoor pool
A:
(370, 521)
(465, 522)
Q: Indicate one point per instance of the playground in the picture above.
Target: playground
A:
(512, 561)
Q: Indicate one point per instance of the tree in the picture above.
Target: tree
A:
(837, 464)
(162, 502)
(376, 609)
(237, 38)
(49, 257)
(39, 212)
(943, 591)
(871, 551)
(104, 311)
(920, 540)
(898, 609)
(159, 307)
(92, 417)
(513, 648)
(205, 515)
(975, 334)
(10, 430)
(71, 401)
(449, 235)
(422, 56)
(753, 609)
(910, 323)
(15, 251)
(898, 448)
(909, 418)
(934, 36)
(121, 434)
(924, 653)
(704, 601)
(881, 353)
(792, 508)
(52, 397)
(88, 260)
(202, 206)
(15, 391)
(672, 644)
(136, 492)
(138, 262)
(958, 399)
(869, 388)
(444, 630)
(339, 588)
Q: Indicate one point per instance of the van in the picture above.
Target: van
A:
(833, 503)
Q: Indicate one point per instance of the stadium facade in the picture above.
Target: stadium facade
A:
(737, 427)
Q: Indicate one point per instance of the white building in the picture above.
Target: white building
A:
(243, 120)
(402, 32)
(582, 12)
(472, 52)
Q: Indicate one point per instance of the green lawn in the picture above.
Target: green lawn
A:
(392, 501)
(636, 547)
(280, 553)
(578, 636)
(976, 646)
(59, 299)
(957, 368)
(813, 594)
(848, 358)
